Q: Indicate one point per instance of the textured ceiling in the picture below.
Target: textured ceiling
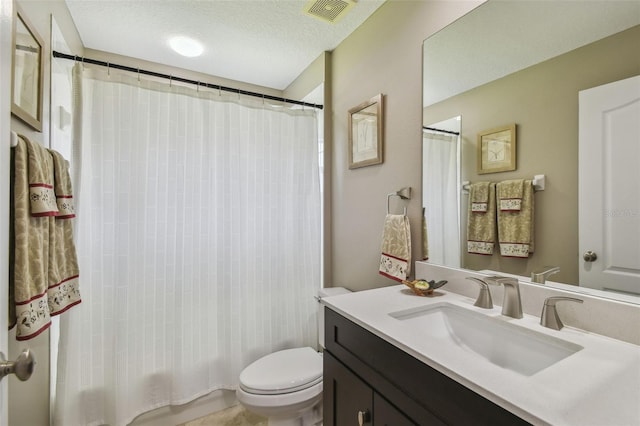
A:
(263, 42)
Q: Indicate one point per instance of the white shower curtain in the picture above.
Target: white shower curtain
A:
(198, 241)
(440, 197)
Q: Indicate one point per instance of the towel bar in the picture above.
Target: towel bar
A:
(538, 182)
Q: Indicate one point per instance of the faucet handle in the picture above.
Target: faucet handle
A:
(549, 317)
(484, 297)
(540, 276)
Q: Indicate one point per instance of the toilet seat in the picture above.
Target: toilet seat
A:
(283, 372)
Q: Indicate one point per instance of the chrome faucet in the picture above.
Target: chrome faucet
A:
(549, 317)
(484, 297)
(541, 275)
(511, 303)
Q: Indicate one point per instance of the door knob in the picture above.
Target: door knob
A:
(363, 417)
(589, 256)
(22, 367)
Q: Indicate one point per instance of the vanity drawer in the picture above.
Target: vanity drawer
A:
(423, 394)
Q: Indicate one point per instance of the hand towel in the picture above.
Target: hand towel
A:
(41, 246)
(515, 228)
(31, 209)
(63, 290)
(425, 237)
(42, 197)
(479, 196)
(509, 193)
(395, 261)
(481, 225)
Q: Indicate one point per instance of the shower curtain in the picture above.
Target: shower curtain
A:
(198, 240)
(440, 197)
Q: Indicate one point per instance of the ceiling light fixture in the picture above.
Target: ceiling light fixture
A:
(186, 46)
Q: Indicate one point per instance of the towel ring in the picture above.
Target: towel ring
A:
(404, 194)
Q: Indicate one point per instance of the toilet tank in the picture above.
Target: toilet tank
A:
(322, 293)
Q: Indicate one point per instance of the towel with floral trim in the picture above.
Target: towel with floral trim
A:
(42, 255)
(515, 227)
(479, 196)
(509, 193)
(395, 260)
(481, 225)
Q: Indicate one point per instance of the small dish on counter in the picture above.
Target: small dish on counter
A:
(423, 287)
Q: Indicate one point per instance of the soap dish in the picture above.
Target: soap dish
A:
(423, 287)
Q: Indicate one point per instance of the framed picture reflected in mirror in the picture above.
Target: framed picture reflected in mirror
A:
(497, 150)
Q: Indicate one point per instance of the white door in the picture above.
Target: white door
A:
(609, 186)
(6, 13)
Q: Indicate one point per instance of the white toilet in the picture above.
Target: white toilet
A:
(286, 386)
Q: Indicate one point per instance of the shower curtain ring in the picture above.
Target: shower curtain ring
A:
(198, 87)
(108, 69)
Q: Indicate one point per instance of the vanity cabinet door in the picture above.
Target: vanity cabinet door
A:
(346, 397)
(415, 390)
(386, 414)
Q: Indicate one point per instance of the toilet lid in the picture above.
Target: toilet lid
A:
(284, 371)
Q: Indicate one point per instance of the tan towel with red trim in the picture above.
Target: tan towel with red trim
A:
(509, 194)
(63, 291)
(40, 253)
(481, 224)
(395, 260)
(515, 227)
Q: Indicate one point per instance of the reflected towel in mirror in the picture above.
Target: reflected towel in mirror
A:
(515, 227)
(481, 225)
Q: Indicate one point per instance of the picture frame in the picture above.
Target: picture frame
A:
(27, 74)
(366, 133)
(497, 150)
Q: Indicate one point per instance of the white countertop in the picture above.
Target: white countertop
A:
(598, 385)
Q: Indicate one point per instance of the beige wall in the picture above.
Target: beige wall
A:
(543, 101)
(383, 56)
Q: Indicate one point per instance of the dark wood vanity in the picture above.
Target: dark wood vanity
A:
(369, 381)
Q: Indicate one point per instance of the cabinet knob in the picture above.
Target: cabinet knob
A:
(363, 417)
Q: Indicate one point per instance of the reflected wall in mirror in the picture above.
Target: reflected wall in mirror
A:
(529, 70)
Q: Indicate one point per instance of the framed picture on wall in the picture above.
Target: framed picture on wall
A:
(497, 150)
(27, 72)
(365, 123)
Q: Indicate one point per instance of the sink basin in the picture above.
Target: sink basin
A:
(503, 344)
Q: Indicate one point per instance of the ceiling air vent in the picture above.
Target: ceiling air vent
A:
(329, 10)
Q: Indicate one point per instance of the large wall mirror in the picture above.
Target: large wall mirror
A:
(524, 62)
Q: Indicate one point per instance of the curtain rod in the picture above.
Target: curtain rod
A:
(440, 130)
(180, 79)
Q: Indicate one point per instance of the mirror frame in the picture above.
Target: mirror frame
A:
(18, 109)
